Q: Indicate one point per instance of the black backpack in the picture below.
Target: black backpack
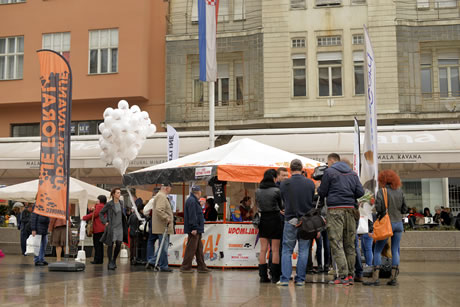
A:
(310, 224)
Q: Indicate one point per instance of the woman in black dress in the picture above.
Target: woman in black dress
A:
(268, 200)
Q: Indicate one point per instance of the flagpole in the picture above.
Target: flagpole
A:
(211, 114)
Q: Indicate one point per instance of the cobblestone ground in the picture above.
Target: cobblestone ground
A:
(23, 284)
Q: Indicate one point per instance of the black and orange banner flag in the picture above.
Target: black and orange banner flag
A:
(56, 101)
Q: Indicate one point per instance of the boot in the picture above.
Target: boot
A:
(263, 268)
(375, 278)
(394, 274)
(275, 272)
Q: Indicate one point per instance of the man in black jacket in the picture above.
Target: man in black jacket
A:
(39, 226)
(194, 227)
(25, 226)
(297, 195)
(342, 188)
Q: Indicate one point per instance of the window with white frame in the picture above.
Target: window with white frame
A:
(59, 42)
(423, 4)
(298, 43)
(358, 39)
(238, 10)
(329, 74)
(222, 86)
(440, 4)
(197, 85)
(358, 65)
(11, 1)
(103, 51)
(298, 4)
(426, 71)
(449, 83)
(239, 83)
(299, 75)
(335, 40)
(11, 57)
(328, 2)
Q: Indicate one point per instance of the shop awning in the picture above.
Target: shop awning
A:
(439, 146)
(85, 153)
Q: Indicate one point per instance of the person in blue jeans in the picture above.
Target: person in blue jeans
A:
(390, 200)
(297, 194)
(39, 226)
(366, 246)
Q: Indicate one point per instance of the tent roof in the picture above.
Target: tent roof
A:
(245, 160)
(79, 192)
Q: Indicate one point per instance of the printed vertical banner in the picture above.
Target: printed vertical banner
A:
(369, 170)
(356, 149)
(173, 153)
(56, 102)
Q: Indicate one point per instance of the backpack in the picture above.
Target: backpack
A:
(310, 224)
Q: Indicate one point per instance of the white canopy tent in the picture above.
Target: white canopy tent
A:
(80, 193)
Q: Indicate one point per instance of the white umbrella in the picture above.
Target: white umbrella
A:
(79, 192)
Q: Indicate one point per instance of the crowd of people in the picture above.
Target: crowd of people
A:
(281, 199)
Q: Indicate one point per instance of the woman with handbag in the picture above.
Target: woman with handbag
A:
(268, 200)
(116, 227)
(390, 205)
(96, 227)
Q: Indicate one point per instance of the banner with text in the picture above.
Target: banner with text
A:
(369, 171)
(56, 102)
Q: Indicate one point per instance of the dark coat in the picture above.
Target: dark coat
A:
(396, 204)
(25, 221)
(106, 216)
(268, 199)
(297, 194)
(39, 223)
(341, 186)
(193, 215)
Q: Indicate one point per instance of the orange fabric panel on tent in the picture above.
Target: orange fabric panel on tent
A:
(244, 173)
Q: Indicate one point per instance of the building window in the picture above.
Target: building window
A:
(22, 130)
(239, 83)
(328, 2)
(449, 75)
(90, 127)
(329, 41)
(358, 39)
(358, 64)
(197, 86)
(358, 2)
(11, 1)
(330, 74)
(299, 75)
(426, 74)
(59, 42)
(103, 51)
(298, 43)
(223, 10)
(298, 4)
(11, 57)
(423, 4)
(441, 4)
(222, 86)
(238, 10)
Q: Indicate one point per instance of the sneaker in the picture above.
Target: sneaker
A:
(350, 280)
(282, 283)
(300, 283)
(339, 281)
(167, 270)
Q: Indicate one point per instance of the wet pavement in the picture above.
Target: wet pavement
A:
(23, 284)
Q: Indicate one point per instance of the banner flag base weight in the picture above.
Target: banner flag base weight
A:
(66, 266)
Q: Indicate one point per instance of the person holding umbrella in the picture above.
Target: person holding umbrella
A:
(194, 227)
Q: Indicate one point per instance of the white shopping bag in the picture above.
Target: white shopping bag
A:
(33, 245)
(363, 226)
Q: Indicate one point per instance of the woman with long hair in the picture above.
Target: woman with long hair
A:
(116, 228)
(389, 183)
(268, 200)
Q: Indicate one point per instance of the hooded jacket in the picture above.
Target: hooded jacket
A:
(341, 186)
(193, 215)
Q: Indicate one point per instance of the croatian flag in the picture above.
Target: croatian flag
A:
(207, 27)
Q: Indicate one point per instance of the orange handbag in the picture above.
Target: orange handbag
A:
(382, 227)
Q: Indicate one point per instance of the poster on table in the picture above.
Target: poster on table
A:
(224, 245)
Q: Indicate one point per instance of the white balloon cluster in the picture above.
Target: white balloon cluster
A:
(123, 133)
